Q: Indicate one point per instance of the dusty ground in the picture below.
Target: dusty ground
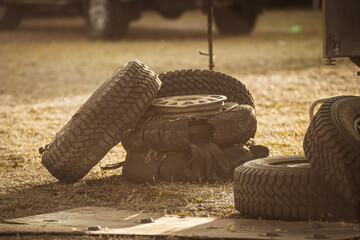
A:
(49, 67)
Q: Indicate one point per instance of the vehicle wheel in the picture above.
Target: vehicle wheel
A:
(356, 60)
(234, 21)
(332, 144)
(175, 132)
(286, 188)
(104, 19)
(177, 166)
(10, 17)
(110, 113)
(196, 81)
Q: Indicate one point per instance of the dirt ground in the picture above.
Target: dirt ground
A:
(49, 67)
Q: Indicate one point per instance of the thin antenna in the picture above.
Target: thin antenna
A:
(210, 34)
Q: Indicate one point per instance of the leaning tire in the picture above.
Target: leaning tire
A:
(332, 144)
(237, 125)
(10, 17)
(106, 118)
(104, 19)
(286, 188)
(233, 21)
(196, 81)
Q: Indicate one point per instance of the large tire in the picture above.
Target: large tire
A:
(196, 81)
(104, 19)
(332, 144)
(178, 166)
(10, 17)
(236, 125)
(234, 21)
(286, 188)
(106, 118)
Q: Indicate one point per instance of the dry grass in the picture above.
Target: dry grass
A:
(49, 68)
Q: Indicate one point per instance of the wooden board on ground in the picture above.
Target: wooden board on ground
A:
(109, 221)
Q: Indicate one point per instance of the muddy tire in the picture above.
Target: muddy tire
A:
(332, 145)
(10, 17)
(104, 19)
(237, 125)
(196, 81)
(110, 113)
(175, 166)
(233, 21)
(286, 188)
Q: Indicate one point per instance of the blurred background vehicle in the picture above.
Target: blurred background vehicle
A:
(111, 18)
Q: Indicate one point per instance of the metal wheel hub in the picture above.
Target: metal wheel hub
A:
(357, 125)
(98, 14)
(188, 104)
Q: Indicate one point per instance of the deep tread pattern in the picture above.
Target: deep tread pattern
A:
(196, 81)
(110, 113)
(331, 152)
(265, 189)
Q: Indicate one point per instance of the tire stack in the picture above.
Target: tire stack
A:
(194, 147)
(322, 185)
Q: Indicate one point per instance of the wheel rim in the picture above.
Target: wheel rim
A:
(97, 14)
(188, 103)
(357, 125)
(292, 164)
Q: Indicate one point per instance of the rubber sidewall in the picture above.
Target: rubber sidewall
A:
(333, 146)
(265, 189)
(226, 128)
(196, 81)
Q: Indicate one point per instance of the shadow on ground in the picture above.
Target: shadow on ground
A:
(114, 191)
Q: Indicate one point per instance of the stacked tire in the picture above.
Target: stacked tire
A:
(322, 185)
(332, 145)
(191, 147)
(194, 147)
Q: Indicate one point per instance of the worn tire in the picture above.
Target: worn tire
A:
(268, 188)
(196, 81)
(106, 118)
(10, 17)
(170, 166)
(332, 145)
(105, 19)
(236, 125)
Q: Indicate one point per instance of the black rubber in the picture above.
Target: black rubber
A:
(115, 24)
(10, 18)
(168, 166)
(196, 81)
(266, 188)
(236, 125)
(355, 60)
(332, 145)
(103, 121)
(234, 21)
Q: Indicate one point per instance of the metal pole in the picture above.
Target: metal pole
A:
(210, 35)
